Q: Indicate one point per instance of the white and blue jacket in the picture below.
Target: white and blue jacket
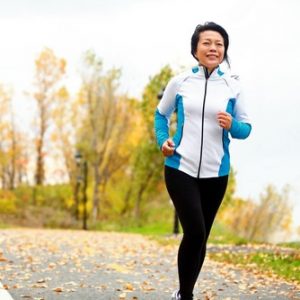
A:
(201, 145)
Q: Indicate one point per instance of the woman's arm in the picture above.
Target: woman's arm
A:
(164, 111)
(241, 125)
(239, 130)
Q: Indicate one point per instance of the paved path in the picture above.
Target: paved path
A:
(4, 295)
(61, 264)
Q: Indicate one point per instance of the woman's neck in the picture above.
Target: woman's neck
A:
(207, 70)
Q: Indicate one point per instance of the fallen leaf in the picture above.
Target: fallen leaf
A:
(128, 286)
(3, 259)
(51, 265)
(122, 296)
(71, 283)
(39, 285)
(41, 281)
(117, 267)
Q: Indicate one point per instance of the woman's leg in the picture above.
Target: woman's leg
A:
(212, 191)
(185, 194)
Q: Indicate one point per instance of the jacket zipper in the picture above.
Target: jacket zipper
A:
(203, 110)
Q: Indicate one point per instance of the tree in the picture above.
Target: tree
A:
(230, 190)
(147, 161)
(49, 70)
(105, 122)
(12, 147)
(64, 115)
(272, 215)
(229, 199)
(5, 130)
(261, 221)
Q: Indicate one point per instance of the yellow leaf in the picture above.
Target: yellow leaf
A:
(118, 268)
(128, 286)
(122, 296)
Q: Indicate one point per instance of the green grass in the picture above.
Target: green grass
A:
(295, 245)
(4, 226)
(162, 233)
(281, 263)
(155, 228)
(219, 234)
(149, 229)
(157, 221)
(284, 265)
(222, 235)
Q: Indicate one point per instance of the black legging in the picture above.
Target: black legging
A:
(196, 202)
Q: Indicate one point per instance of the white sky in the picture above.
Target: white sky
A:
(141, 36)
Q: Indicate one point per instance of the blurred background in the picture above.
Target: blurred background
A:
(79, 84)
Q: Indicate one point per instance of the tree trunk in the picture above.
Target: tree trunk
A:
(13, 162)
(126, 201)
(39, 177)
(141, 191)
(96, 193)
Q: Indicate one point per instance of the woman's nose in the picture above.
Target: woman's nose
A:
(213, 47)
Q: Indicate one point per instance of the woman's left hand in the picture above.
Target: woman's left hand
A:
(225, 120)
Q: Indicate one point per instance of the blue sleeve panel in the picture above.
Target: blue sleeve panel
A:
(161, 128)
(239, 130)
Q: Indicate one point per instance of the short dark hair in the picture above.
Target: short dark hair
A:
(209, 26)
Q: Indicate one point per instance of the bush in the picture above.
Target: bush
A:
(40, 206)
(56, 196)
(7, 202)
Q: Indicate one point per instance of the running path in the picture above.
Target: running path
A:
(4, 295)
(62, 264)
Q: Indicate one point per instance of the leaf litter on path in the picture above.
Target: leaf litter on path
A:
(46, 264)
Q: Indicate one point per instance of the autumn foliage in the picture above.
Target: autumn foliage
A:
(114, 134)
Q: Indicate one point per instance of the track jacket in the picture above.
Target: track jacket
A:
(201, 145)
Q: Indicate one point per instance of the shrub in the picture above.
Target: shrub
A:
(7, 202)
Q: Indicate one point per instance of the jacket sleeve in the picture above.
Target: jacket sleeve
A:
(164, 111)
(241, 124)
(240, 130)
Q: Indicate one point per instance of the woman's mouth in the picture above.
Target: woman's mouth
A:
(212, 56)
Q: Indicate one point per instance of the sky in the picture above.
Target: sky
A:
(142, 36)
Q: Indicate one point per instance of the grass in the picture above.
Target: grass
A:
(284, 265)
(294, 245)
(221, 235)
(4, 226)
(159, 229)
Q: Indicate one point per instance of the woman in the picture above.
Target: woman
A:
(209, 107)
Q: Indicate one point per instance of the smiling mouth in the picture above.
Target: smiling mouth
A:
(212, 56)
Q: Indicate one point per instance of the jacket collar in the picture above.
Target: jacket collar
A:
(202, 72)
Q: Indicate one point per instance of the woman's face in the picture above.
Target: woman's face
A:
(210, 49)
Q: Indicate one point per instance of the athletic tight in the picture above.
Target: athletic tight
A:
(196, 202)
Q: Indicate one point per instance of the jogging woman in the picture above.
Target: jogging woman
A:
(210, 109)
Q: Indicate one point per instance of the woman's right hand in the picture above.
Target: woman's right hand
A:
(168, 148)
